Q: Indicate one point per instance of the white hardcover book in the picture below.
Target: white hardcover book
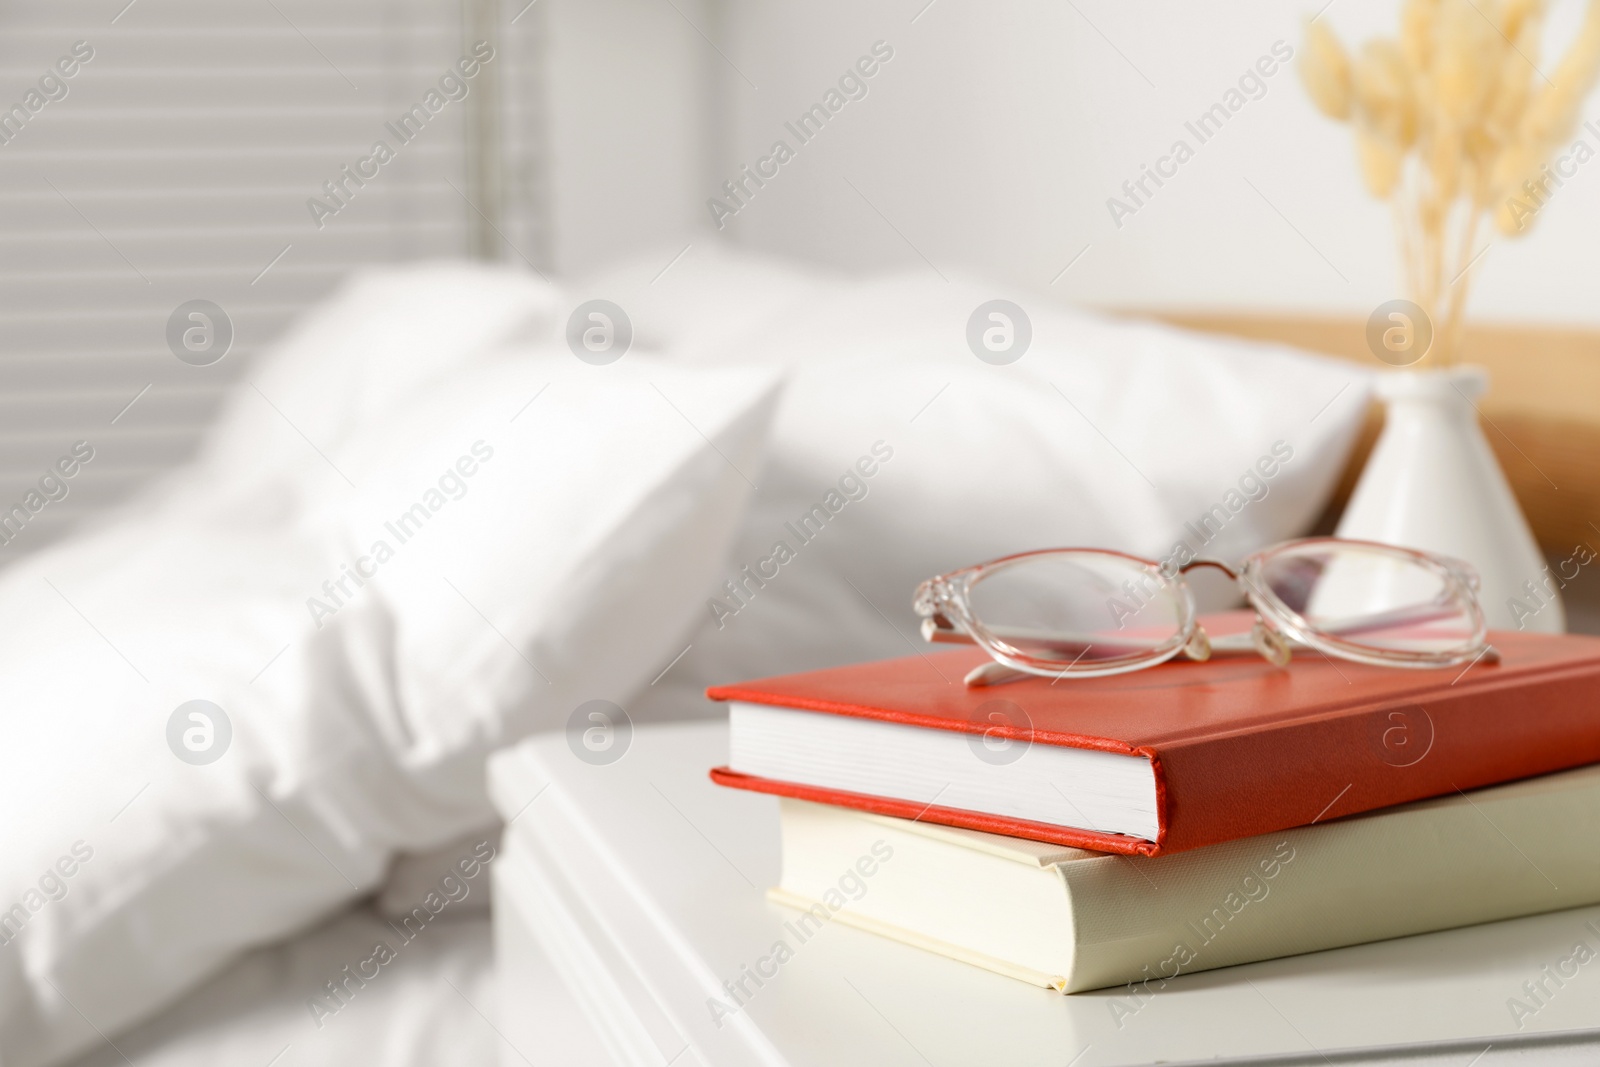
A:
(1075, 920)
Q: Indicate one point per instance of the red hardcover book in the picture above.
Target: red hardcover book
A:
(1197, 753)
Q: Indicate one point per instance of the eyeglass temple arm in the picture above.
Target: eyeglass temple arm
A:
(996, 673)
(938, 631)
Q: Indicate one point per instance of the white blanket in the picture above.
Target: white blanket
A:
(433, 1006)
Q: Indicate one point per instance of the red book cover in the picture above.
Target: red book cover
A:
(1239, 747)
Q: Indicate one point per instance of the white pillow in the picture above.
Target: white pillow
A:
(1105, 432)
(712, 297)
(581, 545)
(395, 331)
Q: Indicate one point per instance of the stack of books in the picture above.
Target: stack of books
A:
(1085, 833)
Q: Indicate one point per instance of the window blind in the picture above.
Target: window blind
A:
(160, 153)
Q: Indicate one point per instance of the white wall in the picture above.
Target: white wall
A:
(629, 112)
(993, 139)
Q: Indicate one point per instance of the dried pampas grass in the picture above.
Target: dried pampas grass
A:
(1451, 119)
(1326, 72)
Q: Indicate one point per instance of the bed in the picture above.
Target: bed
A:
(436, 1007)
(228, 906)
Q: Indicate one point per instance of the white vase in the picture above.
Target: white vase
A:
(1433, 484)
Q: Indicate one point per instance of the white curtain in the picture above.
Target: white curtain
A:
(163, 152)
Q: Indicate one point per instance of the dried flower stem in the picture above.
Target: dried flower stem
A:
(1449, 337)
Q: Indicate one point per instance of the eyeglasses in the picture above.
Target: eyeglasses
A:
(1085, 612)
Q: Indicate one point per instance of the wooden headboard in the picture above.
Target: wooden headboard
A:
(1541, 414)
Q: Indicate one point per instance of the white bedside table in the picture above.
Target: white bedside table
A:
(644, 884)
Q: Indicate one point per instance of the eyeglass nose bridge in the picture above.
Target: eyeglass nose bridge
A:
(1217, 564)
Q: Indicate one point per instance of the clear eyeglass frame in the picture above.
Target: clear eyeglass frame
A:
(944, 603)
